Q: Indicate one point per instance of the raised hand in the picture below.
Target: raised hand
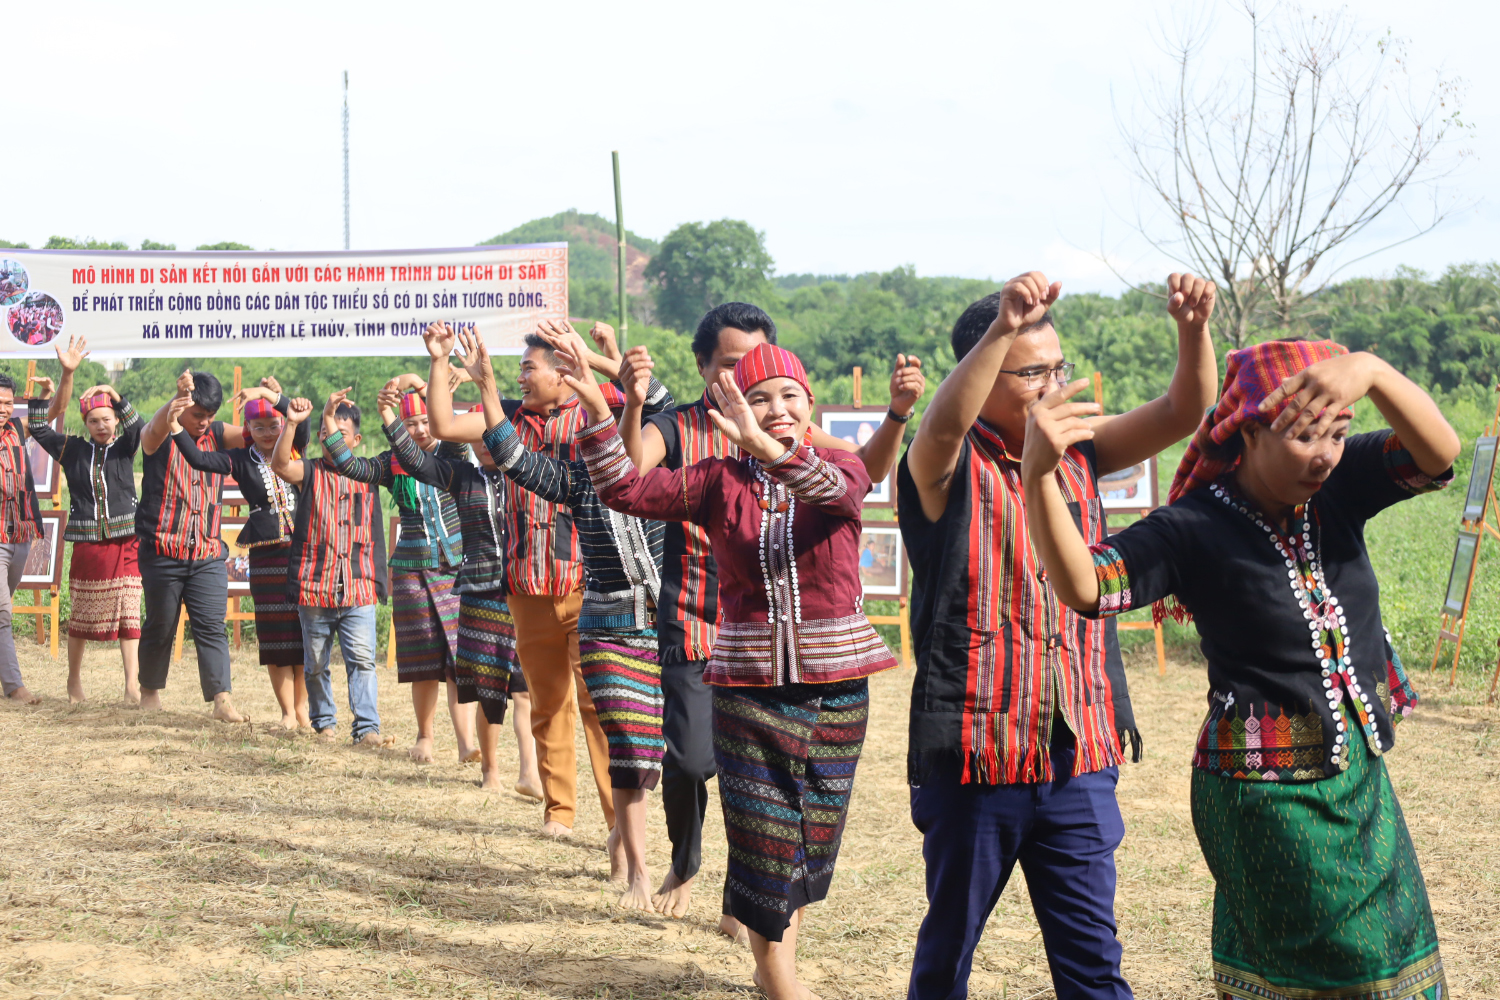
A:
(103, 387)
(583, 385)
(44, 387)
(565, 340)
(738, 422)
(334, 400)
(907, 383)
(388, 401)
(185, 384)
(176, 408)
(71, 357)
(299, 410)
(476, 359)
(1190, 299)
(438, 338)
(1025, 299)
(270, 384)
(604, 336)
(635, 374)
(456, 378)
(1053, 426)
(1318, 392)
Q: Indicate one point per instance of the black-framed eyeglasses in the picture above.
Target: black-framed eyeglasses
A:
(1036, 377)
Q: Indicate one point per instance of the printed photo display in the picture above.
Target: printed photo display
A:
(882, 560)
(857, 426)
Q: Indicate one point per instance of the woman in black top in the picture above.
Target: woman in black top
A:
(267, 534)
(1318, 888)
(103, 575)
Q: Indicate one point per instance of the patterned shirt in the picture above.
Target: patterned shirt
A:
(338, 549)
(688, 615)
(541, 542)
(101, 478)
(1289, 617)
(999, 657)
(20, 514)
(430, 537)
(621, 554)
(178, 514)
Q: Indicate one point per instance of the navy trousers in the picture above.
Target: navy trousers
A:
(1064, 834)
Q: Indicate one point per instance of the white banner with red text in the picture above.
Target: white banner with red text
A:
(244, 304)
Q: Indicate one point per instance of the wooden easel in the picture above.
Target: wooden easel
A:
(51, 604)
(903, 615)
(1155, 626)
(1452, 626)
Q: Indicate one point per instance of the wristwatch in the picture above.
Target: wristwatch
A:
(892, 415)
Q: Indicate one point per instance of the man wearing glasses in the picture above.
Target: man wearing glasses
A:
(1019, 713)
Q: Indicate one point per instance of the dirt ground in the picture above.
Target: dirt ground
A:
(170, 856)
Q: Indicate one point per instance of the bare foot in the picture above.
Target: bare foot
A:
(490, 781)
(421, 751)
(224, 710)
(469, 756)
(617, 864)
(529, 787)
(75, 690)
(375, 739)
(637, 895)
(24, 697)
(553, 828)
(803, 993)
(133, 696)
(327, 735)
(288, 721)
(674, 897)
(735, 931)
(150, 700)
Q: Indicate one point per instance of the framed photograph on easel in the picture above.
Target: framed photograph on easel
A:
(856, 425)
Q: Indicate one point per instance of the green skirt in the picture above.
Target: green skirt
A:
(1318, 892)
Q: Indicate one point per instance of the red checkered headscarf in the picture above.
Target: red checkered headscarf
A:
(412, 405)
(769, 361)
(95, 401)
(1251, 375)
(259, 409)
(613, 397)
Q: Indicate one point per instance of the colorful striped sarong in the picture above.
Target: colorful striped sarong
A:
(278, 630)
(485, 667)
(424, 609)
(105, 580)
(786, 757)
(624, 681)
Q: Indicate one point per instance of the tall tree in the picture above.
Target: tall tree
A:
(703, 264)
(1259, 175)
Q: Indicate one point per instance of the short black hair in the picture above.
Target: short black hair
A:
(6, 382)
(347, 411)
(535, 340)
(207, 392)
(740, 315)
(976, 319)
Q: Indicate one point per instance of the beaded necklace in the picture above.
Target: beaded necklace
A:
(778, 557)
(283, 500)
(1326, 622)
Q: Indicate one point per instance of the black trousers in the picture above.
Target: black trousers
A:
(203, 585)
(687, 726)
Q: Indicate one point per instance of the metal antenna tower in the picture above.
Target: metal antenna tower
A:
(346, 159)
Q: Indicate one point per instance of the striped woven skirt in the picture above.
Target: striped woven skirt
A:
(278, 630)
(424, 609)
(485, 666)
(105, 581)
(786, 759)
(624, 681)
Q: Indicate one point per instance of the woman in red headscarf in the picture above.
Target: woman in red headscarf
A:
(790, 666)
(1318, 888)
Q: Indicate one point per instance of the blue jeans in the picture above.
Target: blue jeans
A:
(355, 628)
(1064, 834)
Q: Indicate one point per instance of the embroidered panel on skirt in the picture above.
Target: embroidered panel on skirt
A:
(786, 758)
(820, 650)
(485, 665)
(424, 609)
(1318, 892)
(623, 677)
(105, 580)
(278, 629)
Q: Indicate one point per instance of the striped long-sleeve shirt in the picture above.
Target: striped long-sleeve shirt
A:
(621, 554)
(541, 544)
(430, 525)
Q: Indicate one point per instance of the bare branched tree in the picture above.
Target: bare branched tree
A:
(1261, 174)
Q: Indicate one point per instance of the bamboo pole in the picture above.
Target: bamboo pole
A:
(624, 319)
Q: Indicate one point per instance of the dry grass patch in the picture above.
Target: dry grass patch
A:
(171, 856)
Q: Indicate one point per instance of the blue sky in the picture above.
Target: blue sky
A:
(969, 139)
